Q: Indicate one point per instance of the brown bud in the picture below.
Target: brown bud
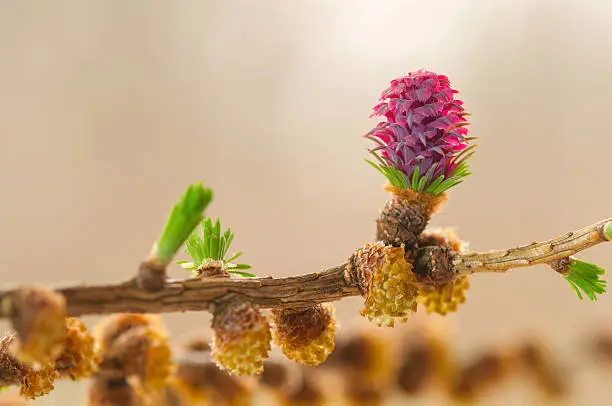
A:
(444, 237)
(151, 275)
(405, 216)
(443, 290)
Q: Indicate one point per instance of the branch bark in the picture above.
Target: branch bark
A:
(535, 253)
(299, 291)
(202, 294)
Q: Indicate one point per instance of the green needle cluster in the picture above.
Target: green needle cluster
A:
(211, 245)
(584, 277)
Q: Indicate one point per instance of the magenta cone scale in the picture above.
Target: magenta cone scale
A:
(423, 142)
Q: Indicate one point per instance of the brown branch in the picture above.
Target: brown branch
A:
(535, 253)
(294, 292)
(204, 294)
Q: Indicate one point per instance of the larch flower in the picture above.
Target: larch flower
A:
(242, 339)
(423, 143)
(306, 335)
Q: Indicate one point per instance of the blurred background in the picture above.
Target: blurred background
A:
(109, 109)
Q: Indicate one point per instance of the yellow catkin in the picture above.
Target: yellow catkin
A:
(80, 358)
(242, 339)
(444, 299)
(137, 345)
(159, 361)
(145, 353)
(38, 382)
(307, 335)
(387, 283)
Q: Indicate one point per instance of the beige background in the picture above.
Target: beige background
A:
(109, 109)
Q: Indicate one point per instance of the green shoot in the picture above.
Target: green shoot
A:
(184, 217)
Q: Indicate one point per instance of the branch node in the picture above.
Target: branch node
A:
(561, 265)
(151, 276)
